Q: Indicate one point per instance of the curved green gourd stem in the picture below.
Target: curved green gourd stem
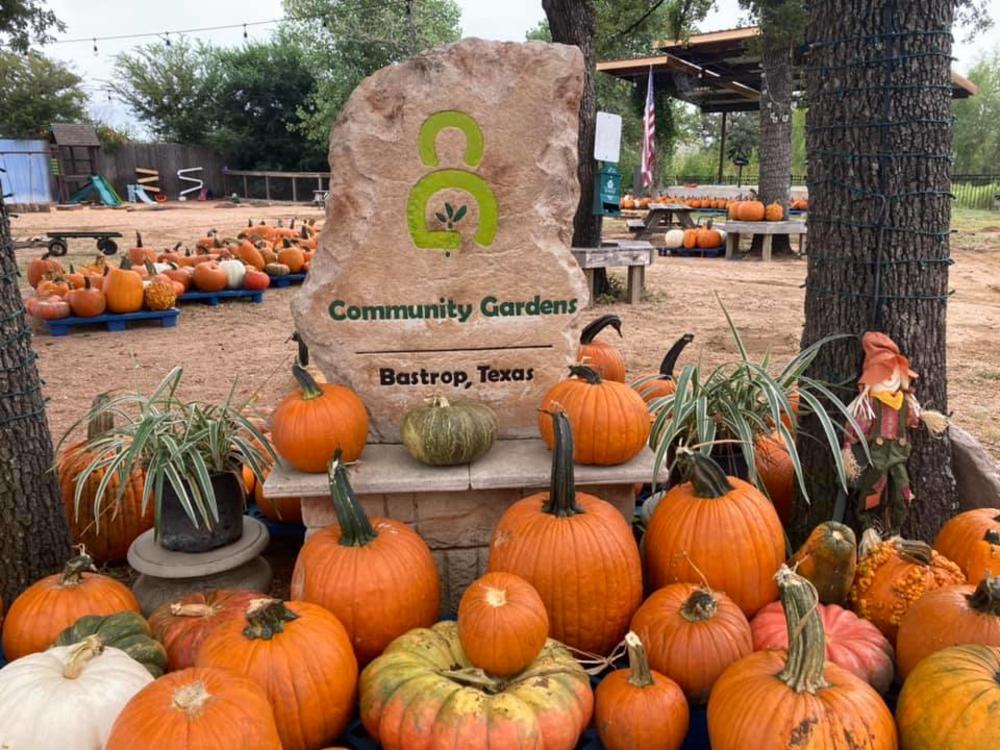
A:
(562, 488)
(986, 597)
(670, 360)
(585, 372)
(591, 330)
(707, 477)
(804, 666)
(355, 528)
(101, 420)
(72, 574)
(310, 389)
(640, 674)
(439, 121)
(266, 618)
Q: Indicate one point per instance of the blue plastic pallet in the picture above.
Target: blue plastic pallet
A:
(212, 299)
(113, 321)
(278, 282)
(711, 252)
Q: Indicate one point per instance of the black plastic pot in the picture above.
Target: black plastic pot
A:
(179, 534)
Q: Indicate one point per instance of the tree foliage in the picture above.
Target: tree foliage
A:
(25, 21)
(36, 92)
(344, 42)
(977, 137)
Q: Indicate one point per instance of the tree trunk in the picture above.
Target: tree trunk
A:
(34, 538)
(775, 131)
(879, 141)
(572, 22)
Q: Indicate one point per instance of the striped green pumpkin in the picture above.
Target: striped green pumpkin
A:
(127, 631)
(447, 433)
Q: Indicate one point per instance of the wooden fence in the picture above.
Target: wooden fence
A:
(118, 166)
(298, 187)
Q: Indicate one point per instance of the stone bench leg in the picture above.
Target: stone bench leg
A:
(591, 276)
(732, 244)
(766, 247)
(636, 282)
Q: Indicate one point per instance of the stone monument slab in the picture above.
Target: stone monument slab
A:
(445, 266)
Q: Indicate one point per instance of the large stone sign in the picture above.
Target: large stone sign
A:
(445, 263)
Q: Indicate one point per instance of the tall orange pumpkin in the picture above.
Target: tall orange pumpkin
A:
(140, 254)
(313, 421)
(577, 551)
(610, 421)
(302, 657)
(655, 385)
(777, 471)
(108, 537)
(638, 708)
(895, 573)
(604, 357)
(795, 698)
(716, 529)
(502, 623)
(197, 709)
(949, 616)
(123, 289)
(376, 575)
(972, 541)
(692, 634)
(49, 606)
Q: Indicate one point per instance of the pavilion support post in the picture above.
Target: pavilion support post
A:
(722, 148)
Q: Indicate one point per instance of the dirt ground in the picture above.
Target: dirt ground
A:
(250, 342)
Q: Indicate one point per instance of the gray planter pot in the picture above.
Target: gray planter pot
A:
(177, 533)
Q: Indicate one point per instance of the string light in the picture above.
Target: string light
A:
(166, 38)
(245, 36)
(95, 45)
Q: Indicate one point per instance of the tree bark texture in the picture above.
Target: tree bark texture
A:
(34, 537)
(572, 22)
(775, 123)
(879, 140)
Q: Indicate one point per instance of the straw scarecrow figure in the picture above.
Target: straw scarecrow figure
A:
(885, 409)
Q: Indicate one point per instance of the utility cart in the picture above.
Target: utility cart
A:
(58, 241)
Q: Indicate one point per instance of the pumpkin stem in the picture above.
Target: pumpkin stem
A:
(704, 474)
(303, 349)
(355, 528)
(439, 401)
(914, 550)
(149, 268)
(178, 246)
(588, 334)
(992, 536)
(191, 698)
(194, 609)
(562, 487)
(670, 360)
(101, 419)
(307, 383)
(700, 606)
(585, 372)
(804, 665)
(641, 676)
(126, 264)
(81, 654)
(75, 567)
(138, 239)
(266, 618)
(986, 597)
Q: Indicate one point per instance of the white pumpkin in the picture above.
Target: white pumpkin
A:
(68, 697)
(235, 271)
(674, 239)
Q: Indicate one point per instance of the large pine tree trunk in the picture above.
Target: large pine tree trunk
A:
(34, 538)
(775, 123)
(572, 22)
(879, 141)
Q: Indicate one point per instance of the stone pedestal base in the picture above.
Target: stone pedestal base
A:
(167, 575)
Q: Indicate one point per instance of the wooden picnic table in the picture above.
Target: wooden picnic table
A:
(661, 216)
(734, 229)
(633, 254)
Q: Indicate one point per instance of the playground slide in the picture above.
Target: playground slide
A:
(136, 192)
(106, 191)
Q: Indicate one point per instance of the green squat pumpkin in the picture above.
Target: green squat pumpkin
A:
(126, 631)
(447, 433)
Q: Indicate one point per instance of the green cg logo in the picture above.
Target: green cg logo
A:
(448, 240)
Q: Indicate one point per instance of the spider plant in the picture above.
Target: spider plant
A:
(173, 442)
(734, 404)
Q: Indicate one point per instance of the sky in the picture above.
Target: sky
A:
(489, 19)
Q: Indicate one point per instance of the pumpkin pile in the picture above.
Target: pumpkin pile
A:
(703, 202)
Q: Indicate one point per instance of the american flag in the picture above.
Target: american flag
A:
(648, 135)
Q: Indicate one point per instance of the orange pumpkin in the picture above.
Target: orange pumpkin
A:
(249, 253)
(74, 279)
(609, 419)
(733, 209)
(123, 289)
(828, 559)
(795, 698)
(302, 657)
(47, 607)
(657, 385)
(606, 358)
(690, 239)
(182, 625)
(183, 275)
(39, 267)
(972, 541)
(707, 238)
(561, 536)
(895, 573)
(291, 256)
(949, 616)
(278, 509)
(638, 708)
(197, 709)
(776, 470)
(312, 422)
(88, 301)
(209, 277)
(53, 285)
(502, 623)
(140, 254)
(692, 634)
(774, 212)
(708, 513)
(377, 576)
(47, 308)
(750, 211)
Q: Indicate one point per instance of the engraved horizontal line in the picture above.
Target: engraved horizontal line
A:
(463, 349)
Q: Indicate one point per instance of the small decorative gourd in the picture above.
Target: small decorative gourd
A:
(446, 433)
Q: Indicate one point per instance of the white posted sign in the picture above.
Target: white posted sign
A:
(608, 142)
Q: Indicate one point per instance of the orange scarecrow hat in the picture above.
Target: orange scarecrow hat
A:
(882, 357)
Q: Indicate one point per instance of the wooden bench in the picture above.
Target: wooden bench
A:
(768, 229)
(635, 255)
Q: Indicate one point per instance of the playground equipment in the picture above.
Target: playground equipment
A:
(197, 187)
(58, 245)
(103, 189)
(138, 194)
(149, 179)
